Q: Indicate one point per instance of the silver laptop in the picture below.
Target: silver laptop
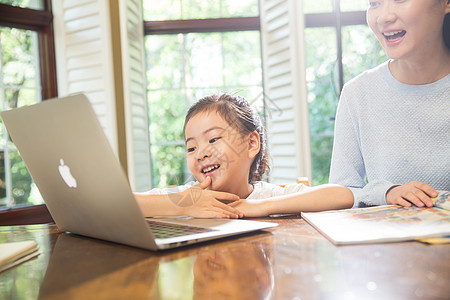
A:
(86, 191)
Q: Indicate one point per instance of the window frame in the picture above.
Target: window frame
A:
(210, 25)
(201, 25)
(336, 19)
(40, 21)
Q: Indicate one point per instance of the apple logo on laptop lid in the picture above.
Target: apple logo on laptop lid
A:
(66, 175)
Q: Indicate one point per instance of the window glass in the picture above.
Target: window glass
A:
(165, 61)
(361, 50)
(183, 68)
(34, 4)
(155, 10)
(204, 61)
(323, 94)
(317, 6)
(354, 5)
(239, 8)
(19, 86)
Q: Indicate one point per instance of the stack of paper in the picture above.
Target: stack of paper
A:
(12, 254)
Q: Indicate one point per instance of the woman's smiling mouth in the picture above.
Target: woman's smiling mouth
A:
(393, 36)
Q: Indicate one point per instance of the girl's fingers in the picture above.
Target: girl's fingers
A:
(233, 212)
(205, 183)
(221, 213)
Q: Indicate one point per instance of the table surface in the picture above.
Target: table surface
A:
(291, 261)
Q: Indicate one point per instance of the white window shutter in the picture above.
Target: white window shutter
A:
(282, 25)
(136, 111)
(87, 62)
(84, 57)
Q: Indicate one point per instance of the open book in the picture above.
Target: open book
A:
(387, 223)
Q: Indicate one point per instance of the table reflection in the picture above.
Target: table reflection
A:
(80, 267)
(237, 272)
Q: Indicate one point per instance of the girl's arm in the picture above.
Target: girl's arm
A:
(194, 202)
(319, 198)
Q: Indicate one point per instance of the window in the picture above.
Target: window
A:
(195, 48)
(27, 76)
(190, 55)
(339, 46)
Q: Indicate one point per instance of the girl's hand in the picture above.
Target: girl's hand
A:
(202, 203)
(255, 208)
(414, 192)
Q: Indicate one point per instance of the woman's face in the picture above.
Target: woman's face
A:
(408, 29)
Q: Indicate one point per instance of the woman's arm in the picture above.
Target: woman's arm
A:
(348, 167)
(194, 202)
(320, 198)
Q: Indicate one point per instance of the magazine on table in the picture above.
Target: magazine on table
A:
(386, 223)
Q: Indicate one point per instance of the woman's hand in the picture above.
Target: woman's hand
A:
(202, 203)
(414, 192)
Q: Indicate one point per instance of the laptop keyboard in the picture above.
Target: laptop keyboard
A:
(164, 230)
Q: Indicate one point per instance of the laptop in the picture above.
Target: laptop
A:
(86, 191)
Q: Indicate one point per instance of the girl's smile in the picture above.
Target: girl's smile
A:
(210, 169)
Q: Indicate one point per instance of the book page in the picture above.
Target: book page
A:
(442, 200)
(381, 224)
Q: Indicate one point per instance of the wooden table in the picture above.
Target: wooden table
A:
(291, 261)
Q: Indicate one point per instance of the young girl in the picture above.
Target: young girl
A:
(227, 155)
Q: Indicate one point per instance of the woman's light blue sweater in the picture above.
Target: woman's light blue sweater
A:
(388, 133)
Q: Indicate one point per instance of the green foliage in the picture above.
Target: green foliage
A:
(184, 68)
(198, 9)
(34, 4)
(166, 115)
(321, 6)
(20, 87)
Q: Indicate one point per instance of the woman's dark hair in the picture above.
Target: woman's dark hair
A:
(446, 30)
(243, 117)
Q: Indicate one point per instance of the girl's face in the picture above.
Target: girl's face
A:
(216, 149)
(408, 28)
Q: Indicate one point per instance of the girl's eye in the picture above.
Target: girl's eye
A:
(373, 3)
(213, 140)
(192, 149)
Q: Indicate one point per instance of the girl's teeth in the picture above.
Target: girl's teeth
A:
(206, 170)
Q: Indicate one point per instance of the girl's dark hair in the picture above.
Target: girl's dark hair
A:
(446, 30)
(242, 116)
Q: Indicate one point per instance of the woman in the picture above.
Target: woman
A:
(392, 141)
